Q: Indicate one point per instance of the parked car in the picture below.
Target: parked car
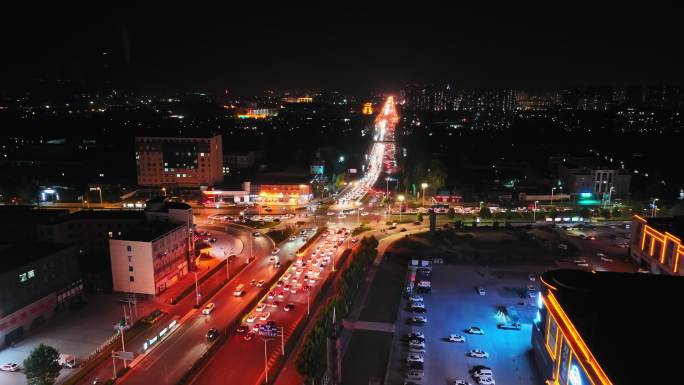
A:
(416, 334)
(643, 270)
(413, 357)
(510, 326)
(261, 307)
(212, 334)
(251, 318)
(481, 291)
(260, 283)
(456, 338)
(256, 234)
(249, 336)
(475, 330)
(264, 316)
(419, 319)
(242, 329)
(532, 277)
(415, 344)
(477, 353)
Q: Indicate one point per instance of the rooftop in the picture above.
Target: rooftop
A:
(629, 321)
(105, 215)
(16, 255)
(673, 225)
(28, 215)
(149, 233)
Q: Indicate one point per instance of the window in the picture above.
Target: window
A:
(130, 258)
(129, 248)
(130, 268)
(131, 278)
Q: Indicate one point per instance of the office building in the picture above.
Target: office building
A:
(37, 279)
(588, 177)
(151, 259)
(601, 328)
(656, 243)
(182, 162)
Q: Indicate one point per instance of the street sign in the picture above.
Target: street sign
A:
(128, 356)
(268, 331)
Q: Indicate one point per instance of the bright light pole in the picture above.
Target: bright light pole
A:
(164, 190)
(534, 212)
(423, 186)
(266, 358)
(552, 190)
(196, 290)
(655, 207)
(401, 202)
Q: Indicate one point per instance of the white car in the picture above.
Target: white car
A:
(606, 259)
(341, 216)
(475, 330)
(293, 238)
(415, 344)
(275, 251)
(9, 367)
(261, 307)
(415, 358)
(416, 298)
(413, 349)
(456, 338)
(477, 353)
(417, 305)
(251, 318)
(481, 290)
(485, 380)
(532, 277)
(643, 270)
(579, 261)
(209, 308)
(461, 382)
(331, 213)
(419, 319)
(416, 334)
(264, 316)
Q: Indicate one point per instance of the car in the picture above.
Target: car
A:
(208, 308)
(413, 357)
(261, 307)
(456, 338)
(532, 294)
(212, 240)
(242, 328)
(264, 316)
(10, 367)
(419, 319)
(416, 344)
(606, 259)
(260, 283)
(460, 382)
(477, 353)
(293, 238)
(275, 251)
(413, 349)
(414, 365)
(484, 380)
(481, 291)
(364, 213)
(579, 260)
(331, 213)
(643, 270)
(256, 234)
(583, 264)
(403, 229)
(414, 374)
(341, 216)
(532, 277)
(212, 334)
(416, 334)
(289, 307)
(510, 326)
(415, 298)
(249, 336)
(415, 309)
(475, 330)
(251, 318)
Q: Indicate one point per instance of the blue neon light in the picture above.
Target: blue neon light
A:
(575, 377)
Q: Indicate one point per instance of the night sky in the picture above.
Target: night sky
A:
(259, 46)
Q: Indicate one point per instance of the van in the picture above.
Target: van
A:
(239, 290)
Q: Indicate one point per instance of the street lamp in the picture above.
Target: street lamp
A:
(655, 207)
(164, 190)
(552, 190)
(534, 212)
(423, 186)
(401, 201)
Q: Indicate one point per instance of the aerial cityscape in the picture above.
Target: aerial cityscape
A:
(342, 194)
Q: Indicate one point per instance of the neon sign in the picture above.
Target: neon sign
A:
(574, 378)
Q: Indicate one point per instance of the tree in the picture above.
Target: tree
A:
(553, 213)
(485, 213)
(41, 367)
(451, 213)
(419, 217)
(585, 212)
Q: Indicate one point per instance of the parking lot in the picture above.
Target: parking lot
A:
(453, 306)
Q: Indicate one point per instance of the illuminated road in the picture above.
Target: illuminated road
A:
(243, 361)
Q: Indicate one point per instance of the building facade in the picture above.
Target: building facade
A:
(184, 162)
(36, 280)
(150, 260)
(657, 244)
(603, 182)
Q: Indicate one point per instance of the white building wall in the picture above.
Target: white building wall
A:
(141, 262)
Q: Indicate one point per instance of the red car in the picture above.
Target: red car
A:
(249, 336)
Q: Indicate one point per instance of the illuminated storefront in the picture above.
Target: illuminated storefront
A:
(656, 243)
(593, 327)
(290, 194)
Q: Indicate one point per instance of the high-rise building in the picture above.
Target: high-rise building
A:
(176, 161)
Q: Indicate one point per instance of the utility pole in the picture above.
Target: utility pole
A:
(196, 290)
(123, 346)
(113, 366)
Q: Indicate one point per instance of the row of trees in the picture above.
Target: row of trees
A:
(311, 361)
